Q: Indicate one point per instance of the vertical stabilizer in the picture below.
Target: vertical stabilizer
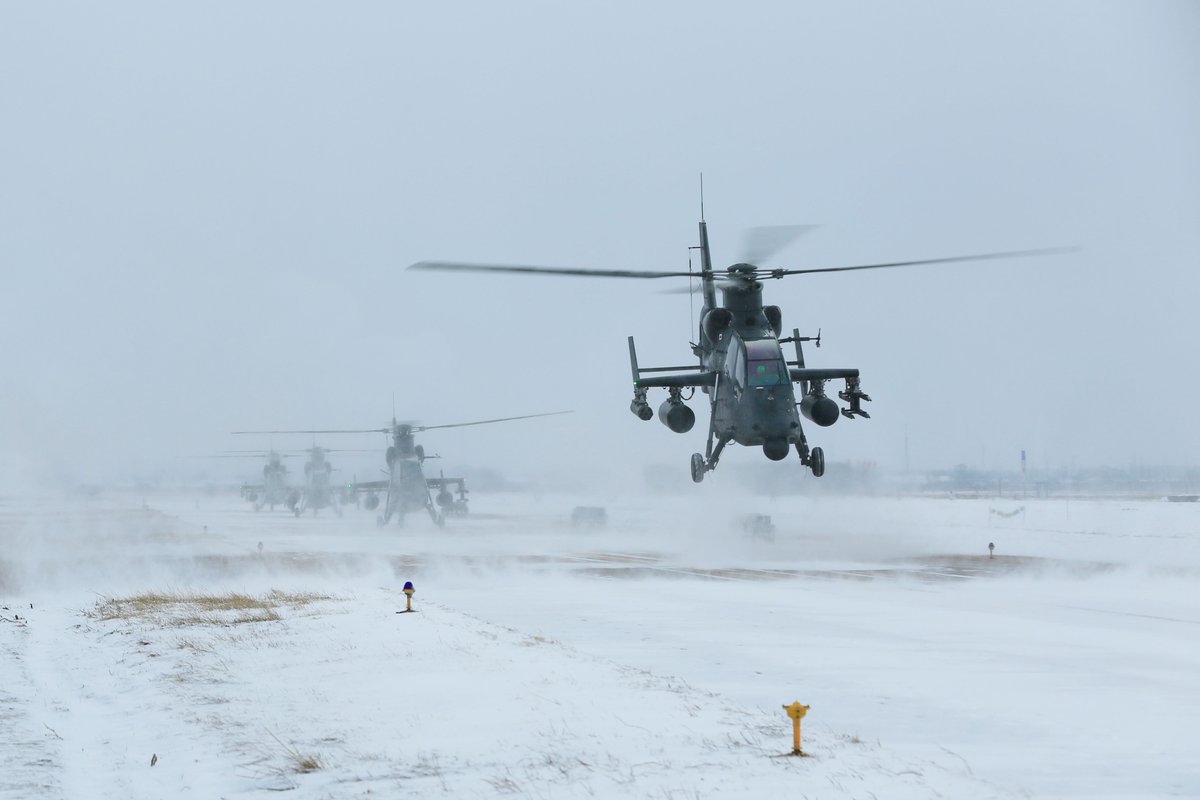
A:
(706, 270)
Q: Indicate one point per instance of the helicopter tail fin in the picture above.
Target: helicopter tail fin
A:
(706, 269)
(799, 358)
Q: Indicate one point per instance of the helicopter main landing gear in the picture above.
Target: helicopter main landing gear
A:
(816, 462)
(701, 465)
(813, 459)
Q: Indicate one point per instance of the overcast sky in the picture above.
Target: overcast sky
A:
(206, 212)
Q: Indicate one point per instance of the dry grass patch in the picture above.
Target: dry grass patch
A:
(282, 763)
(296, 599)
(305, 763)
(184, 608)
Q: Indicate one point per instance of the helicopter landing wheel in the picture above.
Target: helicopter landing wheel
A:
(698, 469)
(816, 462)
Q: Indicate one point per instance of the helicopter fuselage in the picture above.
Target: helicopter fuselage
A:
(274, 489)
(754, 414)
(318, 490)
(752, 400)
(275, 483)
(407, 487)
(748, 379)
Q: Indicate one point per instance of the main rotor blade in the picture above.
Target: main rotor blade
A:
(365, 430)
(264, 454)
(455, 266)
(722, 281)
(1045, 251)
(762, 243)
(489, 421)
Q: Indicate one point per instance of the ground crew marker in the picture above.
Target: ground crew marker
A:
(991, 548)
(408, 593)
(796, 711)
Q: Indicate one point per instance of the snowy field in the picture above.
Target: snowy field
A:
(151, 648)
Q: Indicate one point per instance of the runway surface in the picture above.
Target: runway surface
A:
(649, 657)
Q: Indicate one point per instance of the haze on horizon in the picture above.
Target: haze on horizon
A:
(206, 213)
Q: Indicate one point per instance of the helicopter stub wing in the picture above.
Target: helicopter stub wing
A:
(810, 374)
(680, 380)
(439, 483)
(369, 486)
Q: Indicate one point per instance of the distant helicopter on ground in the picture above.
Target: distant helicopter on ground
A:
(318, 490)
(274, 489)
(742, 367)
(407, 488)
(318, 484)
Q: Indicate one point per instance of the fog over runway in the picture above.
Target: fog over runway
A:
(646, 658)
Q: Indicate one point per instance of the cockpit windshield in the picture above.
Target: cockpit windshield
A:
(765, 365)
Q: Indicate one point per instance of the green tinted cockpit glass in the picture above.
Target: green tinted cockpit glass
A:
(767, 373)
(765, 365)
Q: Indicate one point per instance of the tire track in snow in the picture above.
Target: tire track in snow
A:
(29, 747)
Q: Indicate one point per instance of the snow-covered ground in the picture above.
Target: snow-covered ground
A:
(649, 658)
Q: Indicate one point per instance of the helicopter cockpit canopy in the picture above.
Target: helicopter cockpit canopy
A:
(764, 364)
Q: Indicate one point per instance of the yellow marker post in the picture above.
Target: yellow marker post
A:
(796, 711)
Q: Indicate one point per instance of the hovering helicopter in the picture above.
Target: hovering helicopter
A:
(407, 488)
(742, 367)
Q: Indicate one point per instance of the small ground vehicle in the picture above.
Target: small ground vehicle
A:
(589, 517)
(759, 526)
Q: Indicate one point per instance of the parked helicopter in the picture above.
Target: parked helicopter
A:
(407, 488)
(318, 487)
(742, 367)
(274, 489)
(316, 493)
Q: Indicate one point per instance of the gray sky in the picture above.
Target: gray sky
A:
(206, 211)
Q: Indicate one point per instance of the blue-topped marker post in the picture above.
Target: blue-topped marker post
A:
(408, 593)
